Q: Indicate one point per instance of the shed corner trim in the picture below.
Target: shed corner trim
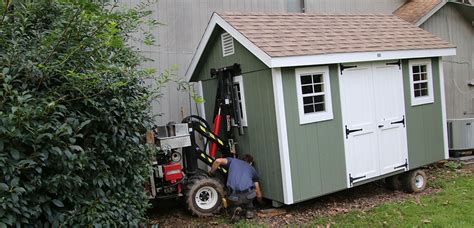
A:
(282, 136)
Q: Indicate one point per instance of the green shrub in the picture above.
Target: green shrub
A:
(73, 111)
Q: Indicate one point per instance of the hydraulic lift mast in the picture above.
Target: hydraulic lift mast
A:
(227, 109)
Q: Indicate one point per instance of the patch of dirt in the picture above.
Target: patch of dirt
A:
(362, 198)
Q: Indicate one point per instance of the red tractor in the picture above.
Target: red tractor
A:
(175, 168)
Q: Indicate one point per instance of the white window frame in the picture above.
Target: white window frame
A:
(223, 37)
(425, 99)
(317, 116)
(239, 80)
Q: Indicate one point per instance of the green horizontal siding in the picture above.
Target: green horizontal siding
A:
(260, 138)
(424, 122)
(316, 150)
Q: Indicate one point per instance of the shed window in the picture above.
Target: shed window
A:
(314, 95)
(227, 44)
(421, 82)
(239, 87)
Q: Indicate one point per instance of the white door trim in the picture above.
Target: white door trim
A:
(282, 136)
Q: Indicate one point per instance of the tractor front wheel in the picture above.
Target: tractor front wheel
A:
(203, 196)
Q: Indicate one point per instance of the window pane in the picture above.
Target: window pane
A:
(416, 86)
(318, 88)
(241, 110)
(307, 89)
(424, 76)
(308, 109)
(305, 79)
(417, 93)
(307, 100)
(424, 85)
(424, 92)
(423, 68)
(416, 69)
(319, 107)
(318, 78)
(318, 99)
(416, 77)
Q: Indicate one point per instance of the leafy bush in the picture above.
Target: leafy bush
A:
(73, 110)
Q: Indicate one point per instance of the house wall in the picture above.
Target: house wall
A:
(450, 24)
(260, 138)
(316, 150)
(424, 123)
(185, 21)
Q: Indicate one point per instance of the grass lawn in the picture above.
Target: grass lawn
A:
(451, 207)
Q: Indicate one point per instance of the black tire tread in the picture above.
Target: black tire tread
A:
(393, 183)
(193, 184)
(409, 183)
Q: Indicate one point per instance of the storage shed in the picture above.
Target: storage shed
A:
(329, 101)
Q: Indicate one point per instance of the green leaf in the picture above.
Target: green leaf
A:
(15, 154)
(3, 187)
(58, 203)
(5, 71)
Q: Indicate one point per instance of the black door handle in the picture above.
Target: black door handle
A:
(381, 125)
(400, 121)
(349, 131)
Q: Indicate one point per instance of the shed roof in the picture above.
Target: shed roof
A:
(283, 40)
(283, 35)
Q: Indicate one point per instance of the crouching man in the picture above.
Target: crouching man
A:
(242, 185)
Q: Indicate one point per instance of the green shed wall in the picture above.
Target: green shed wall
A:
(424, 122)
(316, 149)
(260, 138)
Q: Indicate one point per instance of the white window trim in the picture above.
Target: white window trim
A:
(240, 81)
(223, 37)
(426, 99)
(319, 116)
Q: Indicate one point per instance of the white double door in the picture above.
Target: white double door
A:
(373, 112)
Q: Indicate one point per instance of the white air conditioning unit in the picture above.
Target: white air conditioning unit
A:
(461, 134)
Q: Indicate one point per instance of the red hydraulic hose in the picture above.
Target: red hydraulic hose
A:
(217, 128)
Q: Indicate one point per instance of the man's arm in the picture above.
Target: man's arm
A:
(258, 191)
(217, 163)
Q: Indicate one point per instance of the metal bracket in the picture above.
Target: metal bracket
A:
(400, 121)
(404, 165)
(349, 131)
(352, 179)
(399, 63)
(345, 67)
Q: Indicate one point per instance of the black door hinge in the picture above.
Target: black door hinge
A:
(399, 63)
(400, 121)
(404, 165)
(352, 179)
(349, 131)
(345, 67)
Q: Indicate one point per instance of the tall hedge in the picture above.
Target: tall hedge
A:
(73, 111)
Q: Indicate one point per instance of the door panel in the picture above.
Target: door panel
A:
(390, 108)
(359, 114)
(372, 101)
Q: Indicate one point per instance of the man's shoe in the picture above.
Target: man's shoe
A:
(250, 214)
(236, 216)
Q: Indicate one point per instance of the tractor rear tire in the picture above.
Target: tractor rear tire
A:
(414, 181)
(203, 196)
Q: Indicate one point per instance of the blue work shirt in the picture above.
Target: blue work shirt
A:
(242, 176)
